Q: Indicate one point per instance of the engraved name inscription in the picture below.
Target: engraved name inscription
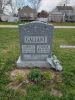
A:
(28, 48)
(43, 48)
(40, 49)
(35, 57)
(35, 39)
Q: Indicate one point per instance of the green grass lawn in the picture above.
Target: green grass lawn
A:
(63, 23)
(54, 23)
(9, 53)
(13, 23)
(9, 23)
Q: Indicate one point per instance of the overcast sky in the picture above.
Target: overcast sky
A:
(47, 5)
(50, 4)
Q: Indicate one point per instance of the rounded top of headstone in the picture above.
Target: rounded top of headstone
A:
(38, 22)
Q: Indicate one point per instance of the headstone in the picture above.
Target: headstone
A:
(35, 44)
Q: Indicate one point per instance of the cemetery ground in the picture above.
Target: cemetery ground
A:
(55, 86)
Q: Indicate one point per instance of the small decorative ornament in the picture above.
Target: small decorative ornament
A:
(54, 62)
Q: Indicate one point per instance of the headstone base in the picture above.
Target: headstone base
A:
(31, 64)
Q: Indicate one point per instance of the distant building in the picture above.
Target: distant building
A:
(1, 11)
(62, 14)
(65, 9)
(27, 13)
(74, 8)
(7, 18)
(1, 7)
(56, 17)
(43, 16)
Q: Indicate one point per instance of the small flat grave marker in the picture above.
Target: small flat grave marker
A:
(67, 46)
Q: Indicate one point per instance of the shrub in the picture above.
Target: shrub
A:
(35, 75)
(19, 78)
(47, 75)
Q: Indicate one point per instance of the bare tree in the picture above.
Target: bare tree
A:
(20, 3)
(63, 2)
(66, 2)
(7, 5)
(5, 2)
(35, 3)
(1, 6)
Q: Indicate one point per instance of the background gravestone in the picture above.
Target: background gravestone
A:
(35, 43)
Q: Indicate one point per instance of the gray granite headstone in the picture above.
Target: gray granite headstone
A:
(35, 44)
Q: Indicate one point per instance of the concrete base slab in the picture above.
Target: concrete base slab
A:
(31, 64)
